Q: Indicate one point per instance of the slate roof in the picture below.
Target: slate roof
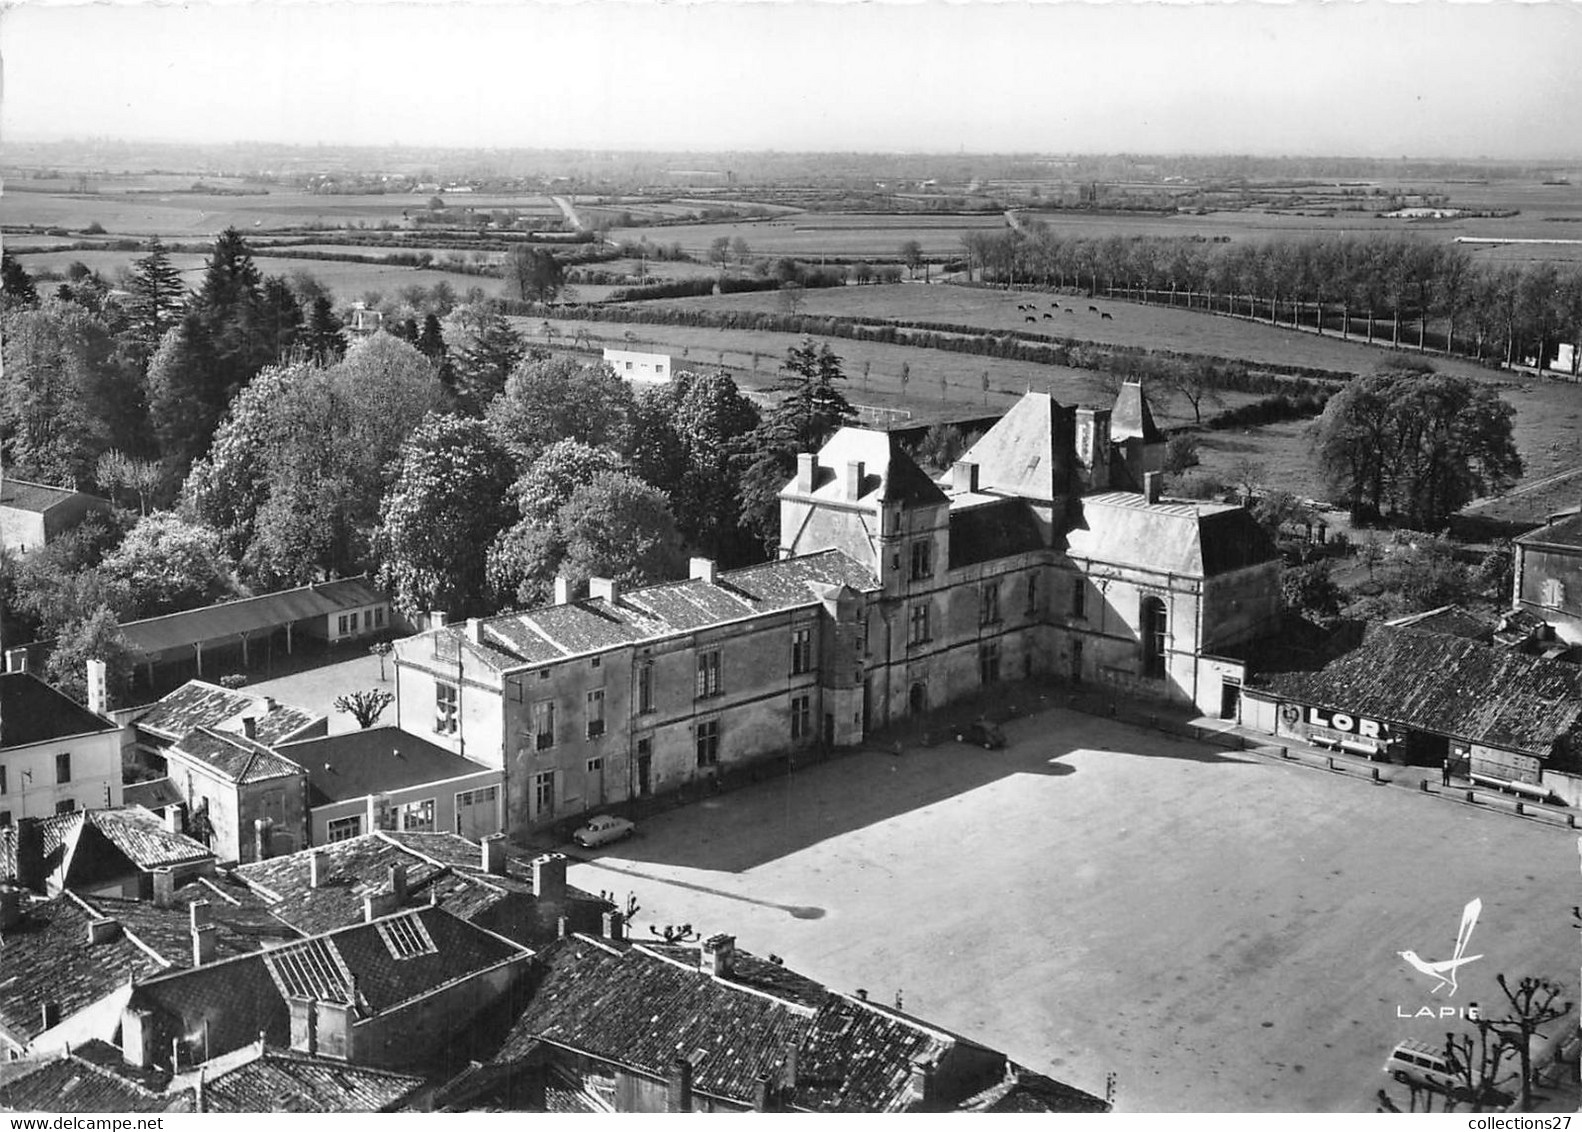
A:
(1195, 540)
(48, 958)
(234, 757)
(988, 531)
(1131, 416)
(33, 712)
(1564, 533)
(554, 632)
(285, 1081)
(1447, 686)
(249, 615)
(24, 495)
(889, 474)
(632, 1005)
(375, 760)
(71, 1084)
(1028, 453)
(200, 704)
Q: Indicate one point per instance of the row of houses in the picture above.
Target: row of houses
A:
(420, 972)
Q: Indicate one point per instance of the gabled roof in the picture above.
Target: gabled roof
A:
(1566, 534)
(637, 1006)
(200, 704)
(84, 846)
(248, 615)
(1451, 621)
(552, 632)
(31, 711)
(234, 757)
(1131, 416)
(1028, 453)
(48, 957)
(1195, 540)
(73, 1084)
(286, 1081)
(168, 931)
(154, 794)
(889, 474)
(375, 760)
(1447, 686)
(24, 495)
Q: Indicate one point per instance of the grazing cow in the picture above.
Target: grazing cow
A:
(1093, 310)
(1048, 315)
(1030, 318)
(1107, 315)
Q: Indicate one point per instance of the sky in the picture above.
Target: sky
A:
(1354, 77)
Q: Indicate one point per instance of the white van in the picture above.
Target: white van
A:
(1417, 1063)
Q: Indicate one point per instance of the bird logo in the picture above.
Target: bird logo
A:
(1444, 970)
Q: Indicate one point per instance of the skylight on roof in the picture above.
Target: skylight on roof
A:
(406, 937)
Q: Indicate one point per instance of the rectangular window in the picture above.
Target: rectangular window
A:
(344, 829)
(5, 818)
(989, 606)
(989, 662)
(352, 621)
(801, 716)
(595, 713)
(63, 767)
(1032, 594)
(709, 743)
(544, 792)
(418, 817)
(340, 625)
(917, 629)
(595, 766)
(65, 806)
(3, 787)
(543, 725)
(801, 651)
(922, 560)
(379, 616)
(447, 703)
(596, 662)
(708, 673)
(1079, 599)
(645, 689)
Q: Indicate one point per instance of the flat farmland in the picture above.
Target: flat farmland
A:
(806, 235)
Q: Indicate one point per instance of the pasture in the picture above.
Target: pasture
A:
(809, 235)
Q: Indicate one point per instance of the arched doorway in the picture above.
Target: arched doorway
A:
(917, 699)
(1155, 625)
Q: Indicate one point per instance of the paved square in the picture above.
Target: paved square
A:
(1219, 930)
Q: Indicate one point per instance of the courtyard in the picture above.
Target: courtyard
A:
(1219, 931)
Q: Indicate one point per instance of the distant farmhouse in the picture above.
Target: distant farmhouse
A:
(636, 366)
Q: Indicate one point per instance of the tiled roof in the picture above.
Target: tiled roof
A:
(132, 833)
(235, 757)
(1447, 686)
(553, 632)
(1025, 1091)
(168, 931)
(48, 957)
(33, 712)
(1451, 621)
(142, 837)
(283, 1081)
(75, 1085)
(640, 1007)
(248, 615)
(1195, 540)
(152, 795)
(23, 495)
(199, 704)
(375, 760)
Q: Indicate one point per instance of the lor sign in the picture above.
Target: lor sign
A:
(1340, 721)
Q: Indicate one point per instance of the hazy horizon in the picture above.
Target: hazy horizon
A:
(1429, 81)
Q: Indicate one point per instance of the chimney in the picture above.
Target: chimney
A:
(562, 590)
(806, 468)
(854, 470)
(704, 570)
(679, 1091)
(607, 588)
(175, 818)
(549, 877)
(761, 1093)
(493, 848)
(269, 704)
(1151, 485)
(719, 954)
(375, 905)
(261, 839)
(318, 868)
(164, 888)
(102, 931)
(562, 927)
(30, 854)
(398, 884)
(964, 475)
(437, 619)
(50, 1015)
(475, 630)
(614, 926)
(10, 907)
(304, 1027)
(250, 727)
(201, 914)
(205, 939)
(137, 1037)
(922, 1082)
(98, 688)
(16, 660)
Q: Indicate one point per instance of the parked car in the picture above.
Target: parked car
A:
(982, 733)
(603, 830)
